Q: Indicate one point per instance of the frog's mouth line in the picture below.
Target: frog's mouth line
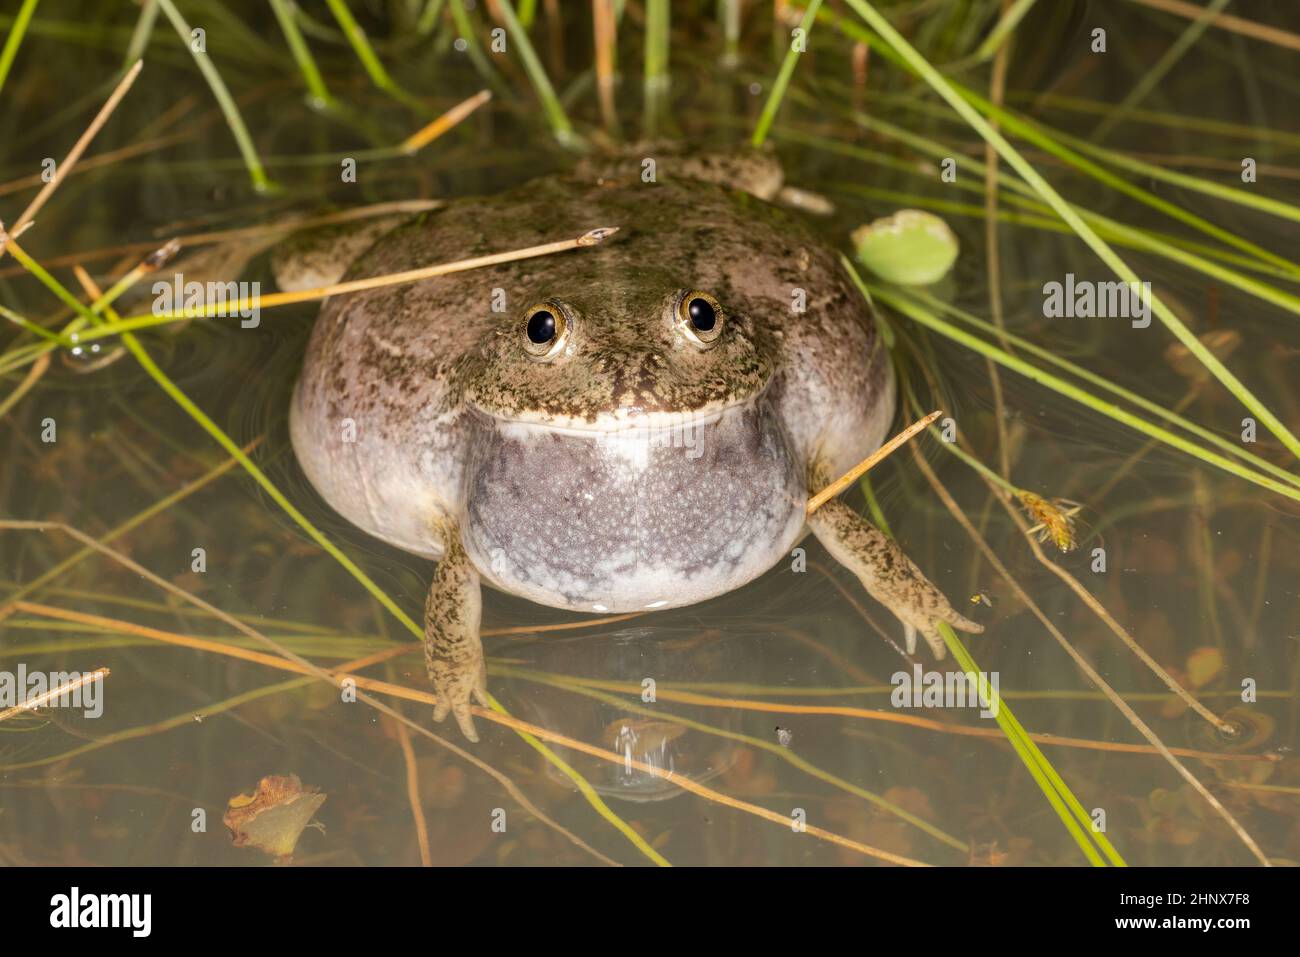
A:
(630, 422)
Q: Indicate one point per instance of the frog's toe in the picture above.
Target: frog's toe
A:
(460, 708)
(922, 607)
(928, 626)
(465, 721)
(962, 623)
(935, 640)
(931, 634)
(455, 686)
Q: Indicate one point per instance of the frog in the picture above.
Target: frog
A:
(625, 428)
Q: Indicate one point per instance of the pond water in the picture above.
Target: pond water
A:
(774, 699)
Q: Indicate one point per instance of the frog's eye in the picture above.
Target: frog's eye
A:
(700, 318)
(546, 330)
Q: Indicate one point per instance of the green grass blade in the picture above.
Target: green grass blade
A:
(1004, 27)
(1036, 134)
(15, 38)
(1241, 197)
(1153, 76)
(1052, 141)
(922, 67)
(1101, 382)
(1071, 391)
(32, 327)
(227, 103)
(559, 120)
(360, 44)
(783, 77)
(1054, 788)
(316, 88)
(142, 33)
(474, 49)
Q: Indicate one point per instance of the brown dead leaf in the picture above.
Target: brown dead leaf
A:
(273, 818)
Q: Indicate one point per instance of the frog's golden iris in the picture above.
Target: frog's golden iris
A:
(546, 330)
(700, 318)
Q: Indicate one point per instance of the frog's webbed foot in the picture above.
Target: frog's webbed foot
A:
(452, 648)
(888, 575)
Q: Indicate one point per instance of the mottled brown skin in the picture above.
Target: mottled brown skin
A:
(884, 570)
(453, 653)
(422, 418)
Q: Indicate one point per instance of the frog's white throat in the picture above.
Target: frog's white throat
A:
(661, 512)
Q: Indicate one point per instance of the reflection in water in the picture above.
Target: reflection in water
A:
(642, 662)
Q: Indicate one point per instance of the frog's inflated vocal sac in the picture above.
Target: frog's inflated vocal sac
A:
(634, 426)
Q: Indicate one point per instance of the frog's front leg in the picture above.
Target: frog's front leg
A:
(887, 574)
(453, 650)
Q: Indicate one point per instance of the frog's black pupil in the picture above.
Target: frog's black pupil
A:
(541, 327)
(703, 317)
